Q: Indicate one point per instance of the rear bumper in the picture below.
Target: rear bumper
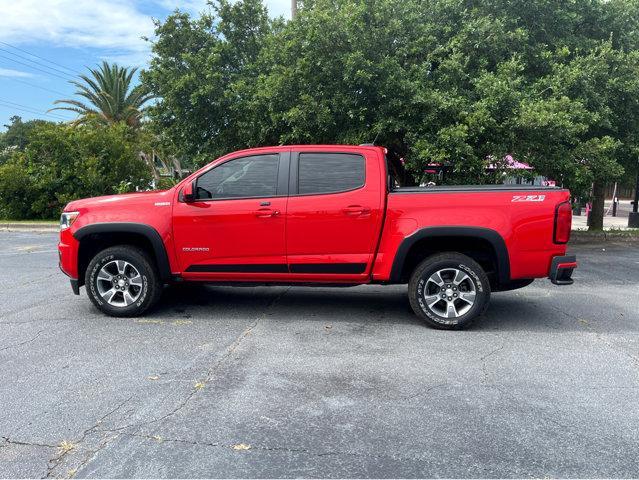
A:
(561, 269)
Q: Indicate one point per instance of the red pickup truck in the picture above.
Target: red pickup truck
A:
(318, 215)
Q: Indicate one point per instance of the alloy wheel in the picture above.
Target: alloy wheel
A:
(450, 293)
(119, 283)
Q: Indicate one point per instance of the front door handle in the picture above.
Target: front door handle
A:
(266, 213)
(356, 211)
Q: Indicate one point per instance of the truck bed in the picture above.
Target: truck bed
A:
(474, 188)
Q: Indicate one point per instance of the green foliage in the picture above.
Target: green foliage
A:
(165, 183)
(61, 163)
(110, 96)
(17, 135)
(464, 83)
(16, 191)
(194, 70)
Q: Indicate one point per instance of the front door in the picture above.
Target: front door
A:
(235, 229)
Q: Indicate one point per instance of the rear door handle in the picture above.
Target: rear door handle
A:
(356, 211)
(266, 213)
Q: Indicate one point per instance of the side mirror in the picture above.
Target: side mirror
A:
(188, 193)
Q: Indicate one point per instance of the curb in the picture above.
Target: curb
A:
(29, 227)
(585, 236)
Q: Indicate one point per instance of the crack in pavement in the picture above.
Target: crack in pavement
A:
(32, 306)
(210, 373)
(55, 462)
(225, 446)
(207, 378)
(14, 345)
(38, 280)
(524, 405)
(8, 441)
(424, 392)
(485, 357)
(612, 345)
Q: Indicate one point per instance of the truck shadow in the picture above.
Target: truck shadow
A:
(388, 305)
(321, 304)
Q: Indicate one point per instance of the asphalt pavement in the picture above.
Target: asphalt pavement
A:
(318, 382)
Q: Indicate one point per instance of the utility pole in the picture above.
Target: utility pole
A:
(293, 8)
(633, 218)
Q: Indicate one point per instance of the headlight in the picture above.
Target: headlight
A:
(67, 219)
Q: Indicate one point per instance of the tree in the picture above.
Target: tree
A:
(109, 95)
(17, 134)
(457, 82)
(194, 70)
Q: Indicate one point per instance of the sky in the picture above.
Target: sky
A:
(46, 43)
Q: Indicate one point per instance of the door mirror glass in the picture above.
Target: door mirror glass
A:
(188, 192)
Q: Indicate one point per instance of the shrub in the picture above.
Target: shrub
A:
(61, 163)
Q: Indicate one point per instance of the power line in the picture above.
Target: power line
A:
(35, 68)
(36, 86)
(37, 56)
(40, 64)
(34, 112)
(10, 104)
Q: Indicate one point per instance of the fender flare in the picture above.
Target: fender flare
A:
(491, 236)
(147, 231)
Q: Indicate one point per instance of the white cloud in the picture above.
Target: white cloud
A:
(108, 24)
(116, 26)
(7, 72)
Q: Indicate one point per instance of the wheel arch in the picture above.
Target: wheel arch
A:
(98, 236)
(443, 237)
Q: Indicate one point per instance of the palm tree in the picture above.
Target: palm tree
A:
(110, 98)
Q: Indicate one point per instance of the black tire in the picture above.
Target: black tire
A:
(421, 287)
(146, 295)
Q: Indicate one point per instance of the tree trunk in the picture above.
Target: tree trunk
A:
(595, 220)
(151, 164)
(177, 167)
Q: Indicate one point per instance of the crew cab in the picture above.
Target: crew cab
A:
(318, 215)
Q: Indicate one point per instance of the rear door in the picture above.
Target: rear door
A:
(334, 213)
(236, 227)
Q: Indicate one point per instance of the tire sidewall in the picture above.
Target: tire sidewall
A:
(142, 267)
(477, 276)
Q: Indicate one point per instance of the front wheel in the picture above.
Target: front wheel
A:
(122, 281)
(449, 291)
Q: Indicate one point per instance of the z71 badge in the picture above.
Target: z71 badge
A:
(529, 198)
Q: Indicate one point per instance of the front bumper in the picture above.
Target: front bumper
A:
(561, 269)
(75, 284)
(68, 248)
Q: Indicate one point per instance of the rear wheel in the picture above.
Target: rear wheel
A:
(449, 291)
(122, 281)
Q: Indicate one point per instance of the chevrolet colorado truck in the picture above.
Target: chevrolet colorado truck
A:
(317, 215)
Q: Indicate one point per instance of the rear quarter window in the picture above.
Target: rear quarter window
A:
(330, 172)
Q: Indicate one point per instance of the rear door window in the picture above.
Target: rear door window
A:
(321, 173)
